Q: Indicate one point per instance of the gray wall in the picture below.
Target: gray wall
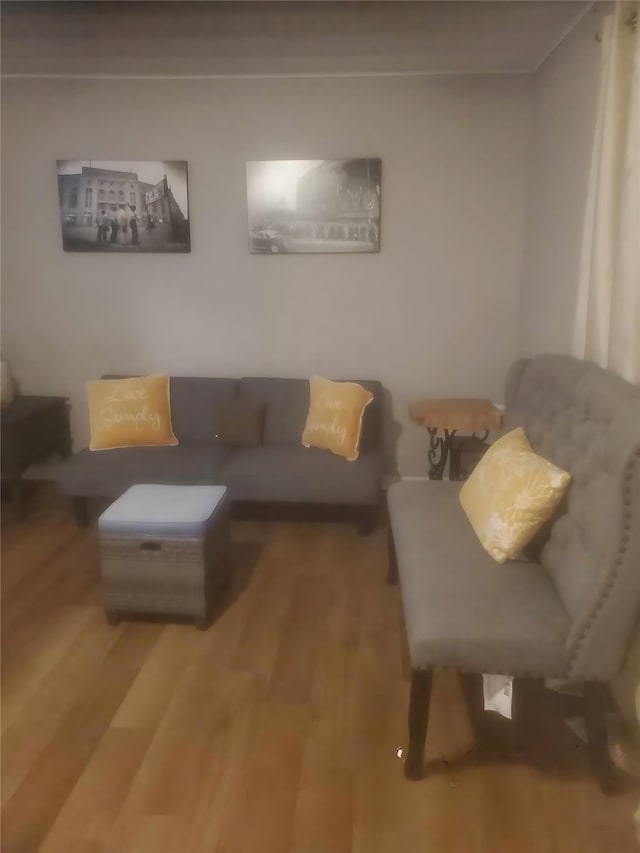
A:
(565, 102)
(435, 313)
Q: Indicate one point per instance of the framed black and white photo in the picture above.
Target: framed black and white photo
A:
(124, 206)
(314, 205)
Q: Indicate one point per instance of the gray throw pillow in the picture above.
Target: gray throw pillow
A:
(239, 422)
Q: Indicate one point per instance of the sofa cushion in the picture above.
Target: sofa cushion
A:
(194, 403)
(287, 403)
(336, 412)
(109, 473)
(461, 608)
(371, 432)
(308, 475)
(239, 423)
(133, 412)
(511, 493)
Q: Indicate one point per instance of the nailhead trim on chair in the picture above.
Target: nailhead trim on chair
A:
(622, 547)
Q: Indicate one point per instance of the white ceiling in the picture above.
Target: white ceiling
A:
(262, 38)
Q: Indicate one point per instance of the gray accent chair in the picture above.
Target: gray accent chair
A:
(568, 611)
(280, 471)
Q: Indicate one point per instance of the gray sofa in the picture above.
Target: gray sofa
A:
(279, 471)
(568, 610)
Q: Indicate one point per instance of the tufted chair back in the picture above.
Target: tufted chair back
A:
(587, 421)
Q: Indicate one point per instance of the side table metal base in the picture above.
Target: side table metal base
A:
(439, 448)
(449, 447)
(443, 418)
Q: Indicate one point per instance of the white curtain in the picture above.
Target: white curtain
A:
(607, 326)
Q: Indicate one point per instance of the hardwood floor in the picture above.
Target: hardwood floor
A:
(275, 730)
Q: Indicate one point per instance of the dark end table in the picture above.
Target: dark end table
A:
(32, 428)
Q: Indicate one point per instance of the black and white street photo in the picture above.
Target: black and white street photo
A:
(124, 206)
(314, 205)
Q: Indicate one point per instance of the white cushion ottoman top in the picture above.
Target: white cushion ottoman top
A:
(163, 511)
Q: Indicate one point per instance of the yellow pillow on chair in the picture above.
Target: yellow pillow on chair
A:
(335, 416)
(510, 494)
(130, 412)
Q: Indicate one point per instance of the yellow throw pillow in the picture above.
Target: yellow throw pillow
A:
(130, 412)
(510, 494)
(335, 416)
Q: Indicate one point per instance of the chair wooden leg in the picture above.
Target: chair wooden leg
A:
(596, 703)
(418, 722)
(392, 571)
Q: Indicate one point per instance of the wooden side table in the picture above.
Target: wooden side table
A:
(32, 428)
(443, 418)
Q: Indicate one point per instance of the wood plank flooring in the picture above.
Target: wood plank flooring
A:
(275, 731)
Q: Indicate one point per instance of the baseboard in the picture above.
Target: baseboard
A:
(388, 479)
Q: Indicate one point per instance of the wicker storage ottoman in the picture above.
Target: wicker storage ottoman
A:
(165, 550)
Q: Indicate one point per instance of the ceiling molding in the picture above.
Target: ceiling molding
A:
(272, 40)
(319, 75)
(568, 30)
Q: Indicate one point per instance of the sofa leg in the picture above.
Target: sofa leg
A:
(418, 721)
(596, 703)
(392, 571)
(201, 621)
(367, 517)
(79, 507)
